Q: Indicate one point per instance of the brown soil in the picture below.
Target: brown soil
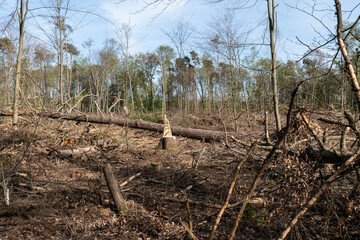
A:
(64, 196)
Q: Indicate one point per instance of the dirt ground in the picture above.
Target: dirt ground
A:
(58, 195)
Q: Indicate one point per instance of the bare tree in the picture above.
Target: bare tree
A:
(272, 22)
(7, 51)
(22, 13)
(179, 34)
(124, 38)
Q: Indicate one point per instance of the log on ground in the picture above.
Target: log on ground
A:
(201, 134)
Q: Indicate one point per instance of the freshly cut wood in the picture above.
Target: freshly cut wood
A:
(168, 141)
(205, 135)
(10, 112)
(77, 150)
(114, 189)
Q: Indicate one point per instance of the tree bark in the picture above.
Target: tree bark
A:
(114, 189)
(61, 83)
(22, 17)
(271, 13)
(348, 65)
(205, 135)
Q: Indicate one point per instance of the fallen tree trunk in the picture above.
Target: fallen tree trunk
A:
(205, 135)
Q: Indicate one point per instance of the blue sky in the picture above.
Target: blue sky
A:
(148, 35)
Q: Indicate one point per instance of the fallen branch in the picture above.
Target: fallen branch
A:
(232, 185)
(198, 159)
(129, 180)
(188, 230)
(320, 142)
(217, 206)
(318, 194)
(266, 162)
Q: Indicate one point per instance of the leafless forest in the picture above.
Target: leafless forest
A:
(214, 143)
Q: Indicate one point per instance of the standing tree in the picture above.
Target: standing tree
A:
(124, 39)
(179, 34)
(272, 21)
(165, 55)
(43, 57)
(22, 12)
(6, 50)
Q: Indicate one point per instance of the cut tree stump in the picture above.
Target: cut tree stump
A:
(168, 141)
(114, 189)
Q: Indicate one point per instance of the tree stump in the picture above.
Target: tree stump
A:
(168, 141)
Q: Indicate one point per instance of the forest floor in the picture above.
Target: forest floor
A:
(54, 195)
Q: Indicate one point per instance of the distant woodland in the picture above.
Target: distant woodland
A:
(218, 73)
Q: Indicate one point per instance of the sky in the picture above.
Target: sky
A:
(149, 24)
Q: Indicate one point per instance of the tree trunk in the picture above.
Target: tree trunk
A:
(22, 17)
(271, 12)
(348, 65)
(114, 189)
(205, 135)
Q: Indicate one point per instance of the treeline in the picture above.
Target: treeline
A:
(107, 79)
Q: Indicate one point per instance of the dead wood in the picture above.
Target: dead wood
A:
(317, 138)
(188, 230)
(266, 123)
(76, 150)
(10, 112)
(232, 185)
(354, 193)
(266, 162)
(114, 189)
(129, 179)
(322, 156)
(205, 135)
(341, 169)
(168, 143)
(258, 201)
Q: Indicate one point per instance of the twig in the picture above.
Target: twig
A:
(343, 148)
(189, 215)
(318, 194)
(232, 185)
(77, 103)
(5, 187)
(188, 230)
(198, 159)
(129, 179)
(98, 108)
(114, 104)
(266, 122)
(352, 123)
(320, 142)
